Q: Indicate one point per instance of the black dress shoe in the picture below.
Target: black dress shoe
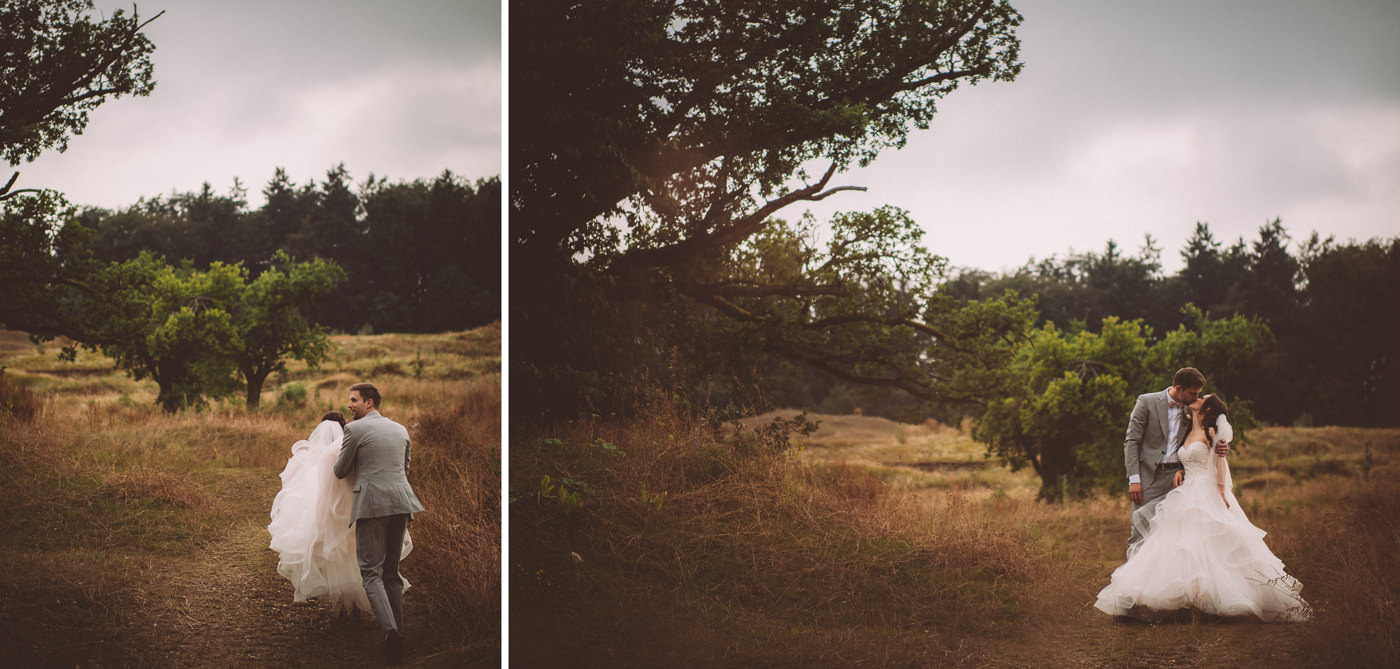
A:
(392, 646)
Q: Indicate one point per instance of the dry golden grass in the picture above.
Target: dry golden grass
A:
(695, 546)
(458, 473)
(876, 544)
(100, 480)
(158, 486)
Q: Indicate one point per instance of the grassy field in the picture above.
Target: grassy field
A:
(872, 543)
(136, 538)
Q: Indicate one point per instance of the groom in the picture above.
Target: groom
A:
(376, 450)
(1159, 425)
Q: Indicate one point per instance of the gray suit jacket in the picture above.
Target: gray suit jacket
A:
(1146, 442)
(376, 450)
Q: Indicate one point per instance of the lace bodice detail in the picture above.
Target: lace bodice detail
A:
(1195, 458)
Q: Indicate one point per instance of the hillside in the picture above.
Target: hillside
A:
(695, 542)
(142, 535)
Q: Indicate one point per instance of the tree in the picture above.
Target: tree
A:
(436, 262)
(196, 332)
(58, 65)
(663, 137)
(1066, 413)
(172, 326)
(1202, 280)
(1268, 287)
(196, 227)
(40, 259)
(1352, 368)
(270, 319)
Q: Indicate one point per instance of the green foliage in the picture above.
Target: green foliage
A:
(169, 325)
(292, 394)
(666, 100)
(59, 65)
(271, 323)
(566, 491)
(41, 260)
(195, 333)
(775, 436)
(651, 501)
(424, 255)
(1329, 307)
(1347, 339)
(1067, 411)
(664, 139)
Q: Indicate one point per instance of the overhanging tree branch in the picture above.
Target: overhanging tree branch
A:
(735, 232)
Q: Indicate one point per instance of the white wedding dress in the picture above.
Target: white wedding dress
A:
(311, 529)
(1200, 554)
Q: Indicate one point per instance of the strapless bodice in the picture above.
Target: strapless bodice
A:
(1195, 458)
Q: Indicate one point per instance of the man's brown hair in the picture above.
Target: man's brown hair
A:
(1186, 377)
(367, 392)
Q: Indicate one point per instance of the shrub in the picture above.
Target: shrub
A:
(17, 400)
(292, 394)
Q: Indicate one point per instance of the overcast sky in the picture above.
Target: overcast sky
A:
(401, 89)
(1134, 117)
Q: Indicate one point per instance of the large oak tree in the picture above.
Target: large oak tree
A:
(57, 64)
(653, 143)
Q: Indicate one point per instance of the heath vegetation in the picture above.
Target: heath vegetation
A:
(142, 533)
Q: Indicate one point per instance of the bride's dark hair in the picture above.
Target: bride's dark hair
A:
(335, 416)
(1212, 410)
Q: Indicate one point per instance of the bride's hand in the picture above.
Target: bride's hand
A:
(1178, 478)
(1224, 497)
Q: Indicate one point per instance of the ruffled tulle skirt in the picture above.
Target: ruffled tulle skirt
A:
(312, 534)
(1200, 555)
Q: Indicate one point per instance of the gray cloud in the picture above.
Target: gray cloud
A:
(402, 89)
(1135, 118)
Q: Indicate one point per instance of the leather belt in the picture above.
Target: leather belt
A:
(1169, 466)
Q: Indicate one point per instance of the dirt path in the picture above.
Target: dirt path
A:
(227, 606)
(1065, 630)
(222, 604)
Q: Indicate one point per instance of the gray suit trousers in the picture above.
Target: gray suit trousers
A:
(1142, 513)
(378, 542)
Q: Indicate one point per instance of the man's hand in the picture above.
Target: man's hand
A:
(1178, 478)
(1135, 492)
(1222, 448)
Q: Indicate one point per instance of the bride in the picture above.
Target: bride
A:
(1200, 551)
(311, 529)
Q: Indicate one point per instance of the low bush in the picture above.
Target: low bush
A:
(16, 400)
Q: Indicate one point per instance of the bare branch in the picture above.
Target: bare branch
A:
(759, 290)
(737, 231)
(6, 193)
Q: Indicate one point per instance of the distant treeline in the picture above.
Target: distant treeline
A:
(1333, 310)
(420, 256)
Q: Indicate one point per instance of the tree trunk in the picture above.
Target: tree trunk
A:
(169, 403)
(1056, 463)
(255, 385)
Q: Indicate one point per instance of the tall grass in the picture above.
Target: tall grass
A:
(1331, 504)
(95, 479)
(694, 543)
(458, 476)
(17, 403)
(672, 540)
